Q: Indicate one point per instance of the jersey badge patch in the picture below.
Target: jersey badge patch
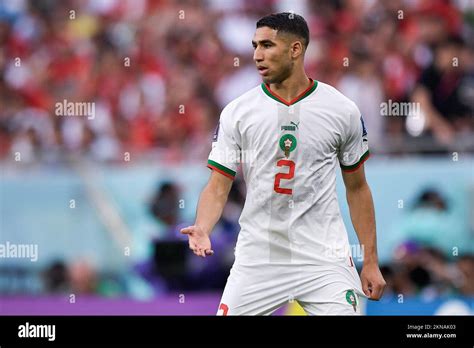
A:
(288, 144)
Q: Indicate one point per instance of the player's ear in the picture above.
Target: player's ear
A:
(297, 49)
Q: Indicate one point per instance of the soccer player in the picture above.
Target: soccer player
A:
(289, 134)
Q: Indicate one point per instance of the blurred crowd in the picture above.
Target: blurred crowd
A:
(172, 266)
(158, 72)
(168, 266)
(424, 263)
(433, 254)
(420, 270)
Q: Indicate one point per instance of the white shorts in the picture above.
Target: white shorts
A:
(320, 290)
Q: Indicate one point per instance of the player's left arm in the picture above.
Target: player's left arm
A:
(361, 206)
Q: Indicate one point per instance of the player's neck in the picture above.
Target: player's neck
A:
(292, 87)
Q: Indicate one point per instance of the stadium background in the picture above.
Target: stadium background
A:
(103, 196)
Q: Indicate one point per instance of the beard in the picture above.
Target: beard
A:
(282, 75)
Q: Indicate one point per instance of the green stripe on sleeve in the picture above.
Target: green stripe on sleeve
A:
(221, 167)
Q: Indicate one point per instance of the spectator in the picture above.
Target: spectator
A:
(439, 94)
(55, 278)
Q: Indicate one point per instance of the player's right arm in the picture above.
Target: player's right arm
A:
(211, 204)
(223, 160)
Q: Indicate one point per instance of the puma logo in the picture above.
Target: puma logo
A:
(296, 124)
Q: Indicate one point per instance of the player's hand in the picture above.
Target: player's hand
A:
(372, 280)
(199, 241)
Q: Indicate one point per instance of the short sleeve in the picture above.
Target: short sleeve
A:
(354, 149)
(225, 153)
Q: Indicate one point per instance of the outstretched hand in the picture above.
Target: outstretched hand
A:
(199, 241)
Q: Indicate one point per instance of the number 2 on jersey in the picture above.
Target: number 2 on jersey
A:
(287, 176)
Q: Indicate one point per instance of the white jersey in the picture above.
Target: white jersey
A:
(289, 152)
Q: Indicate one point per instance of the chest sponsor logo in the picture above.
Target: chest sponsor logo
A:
(291, 127)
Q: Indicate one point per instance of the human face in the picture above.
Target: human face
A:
(272, 55)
